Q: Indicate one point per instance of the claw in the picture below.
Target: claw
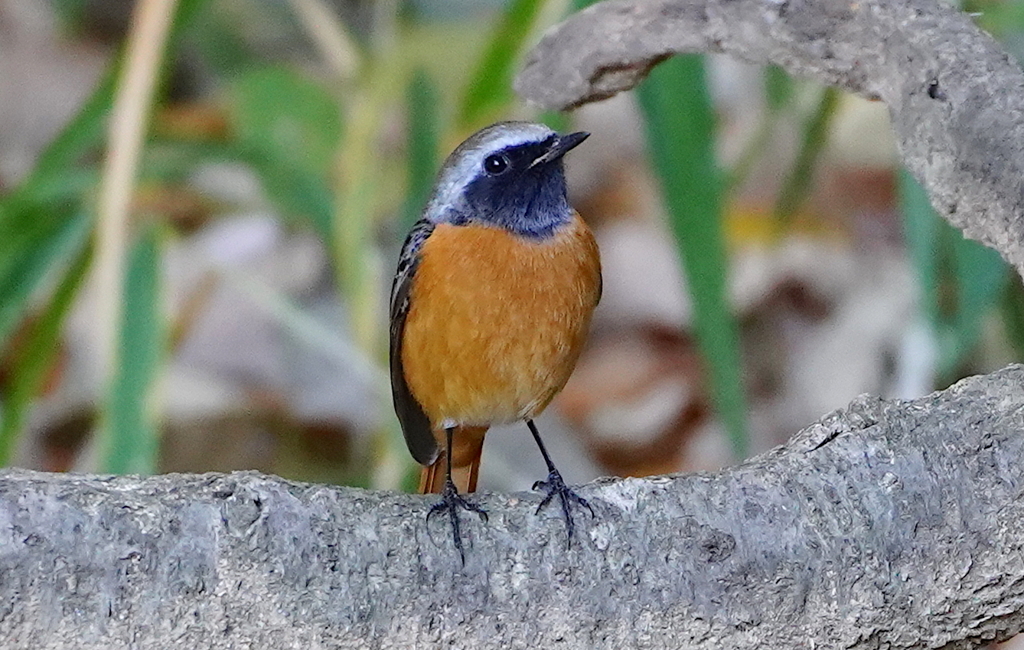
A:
(555, 485)
(450, 502)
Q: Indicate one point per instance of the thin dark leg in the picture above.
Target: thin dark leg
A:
(451, 501)
(555, 485)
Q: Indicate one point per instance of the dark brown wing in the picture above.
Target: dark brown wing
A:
(415, 425)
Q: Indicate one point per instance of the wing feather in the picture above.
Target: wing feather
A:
(419, 436)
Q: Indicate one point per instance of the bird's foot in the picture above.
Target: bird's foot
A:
(451, 501)
(554, 485)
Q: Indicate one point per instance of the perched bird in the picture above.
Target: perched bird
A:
(490, 307)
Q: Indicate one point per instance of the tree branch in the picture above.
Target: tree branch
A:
(955, 97)
(892, 524)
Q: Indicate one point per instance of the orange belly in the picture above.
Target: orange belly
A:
(496, 322)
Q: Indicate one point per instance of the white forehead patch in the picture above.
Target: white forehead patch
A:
(464, 164)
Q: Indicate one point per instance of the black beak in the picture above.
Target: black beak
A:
(560, 146)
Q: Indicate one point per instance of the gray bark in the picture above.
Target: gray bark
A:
(887, 524)
(955, 97)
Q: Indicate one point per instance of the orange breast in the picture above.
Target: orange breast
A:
(496, 322)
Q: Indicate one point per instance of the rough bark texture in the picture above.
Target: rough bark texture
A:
(887, 524)
(955, 97)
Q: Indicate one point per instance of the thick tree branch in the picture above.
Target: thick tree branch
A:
(888, 524)
(955, 97)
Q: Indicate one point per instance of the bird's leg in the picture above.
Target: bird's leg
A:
(451, 501)
(555, 485)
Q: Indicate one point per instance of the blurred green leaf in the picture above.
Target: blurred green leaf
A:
(778, 88)
(798, 182)
(294, 191)
(300, 195)
(291, 120)
(86, 131)
(948, 264)
(74, 12)
(69, 12)
(29, 259)
(35, 358)
(921, 227)
(981, 276)
(1004, 20)
(43, 220)
(680, 124)
(778, 93)
(981, 273)
(422, 100)
(129, 427)
(1013, 315)
(557, 121)
(82, 135)
(219, 41)
(288, 129)
(490, 87)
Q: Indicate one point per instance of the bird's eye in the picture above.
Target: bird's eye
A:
(495, 164)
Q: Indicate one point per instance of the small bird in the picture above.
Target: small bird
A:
(490, 307)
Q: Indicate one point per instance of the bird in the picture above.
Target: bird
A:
(490, 308)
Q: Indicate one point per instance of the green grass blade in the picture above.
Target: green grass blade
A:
(922, 229)
(130, 433)
(296, 193)
(942, 257)
(422, 99)
(25, 268)
(490, 87)
(41, 220)
(279, 112)
(83, 134)
(288, 127)
(680, 126)
(778, 93)
(300, 196)
(778, 88)
(1013, 316)
(981, 277)
(815, 136)
(87, 129)
(36, 357)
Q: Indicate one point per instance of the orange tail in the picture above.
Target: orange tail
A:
(468, 444)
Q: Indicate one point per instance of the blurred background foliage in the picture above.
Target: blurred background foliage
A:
(765, 258)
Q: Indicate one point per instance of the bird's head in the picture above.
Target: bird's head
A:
(509, 175)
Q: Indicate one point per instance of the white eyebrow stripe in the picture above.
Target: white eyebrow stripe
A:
(454, 179)
(520, 136)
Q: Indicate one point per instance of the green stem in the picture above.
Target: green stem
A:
(815, 136)
(680, 125)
